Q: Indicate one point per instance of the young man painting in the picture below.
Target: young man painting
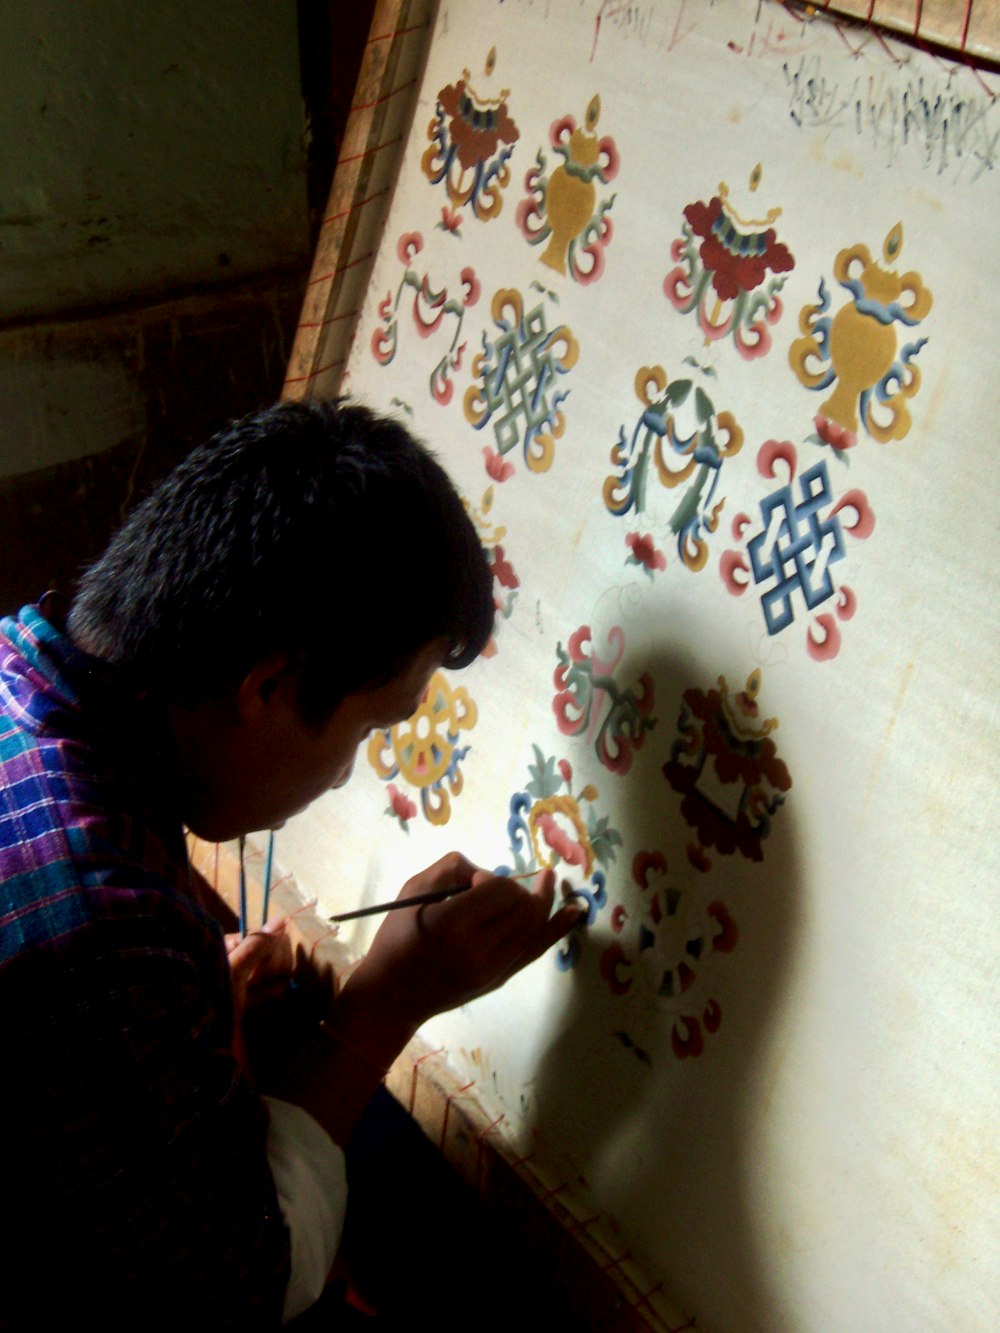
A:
(289, 588)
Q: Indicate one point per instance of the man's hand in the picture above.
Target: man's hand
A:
(422, 961)
(261, 965)
(441, 955)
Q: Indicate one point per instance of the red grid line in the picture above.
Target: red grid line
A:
(386, 97)
(322, 323)
(399, 32)
(341, 268)
(369, 152)
(344, 212)
(301, 379)
(522, 1161)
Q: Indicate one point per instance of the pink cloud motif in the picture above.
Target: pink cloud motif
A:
(409, 246)
(644, 552)
(496, 466)
(400, 805)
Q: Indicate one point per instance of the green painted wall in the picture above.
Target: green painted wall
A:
(147, 148)
(154, 246)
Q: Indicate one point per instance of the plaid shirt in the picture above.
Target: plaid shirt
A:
(136, 1186)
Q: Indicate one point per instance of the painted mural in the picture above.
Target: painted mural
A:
(655, 281)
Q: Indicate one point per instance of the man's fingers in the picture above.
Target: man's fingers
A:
(543, 888)
(451, 872)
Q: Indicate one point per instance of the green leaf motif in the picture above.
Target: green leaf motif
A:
(545, 780)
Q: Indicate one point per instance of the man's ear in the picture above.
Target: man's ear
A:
(271, 680)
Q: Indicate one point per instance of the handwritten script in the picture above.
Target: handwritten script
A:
(952, 130)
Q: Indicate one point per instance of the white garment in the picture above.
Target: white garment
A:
(311, 1181)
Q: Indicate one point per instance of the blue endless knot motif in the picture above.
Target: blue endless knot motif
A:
(519, 386)
(796, 548)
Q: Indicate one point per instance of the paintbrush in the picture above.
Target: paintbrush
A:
(418, 899)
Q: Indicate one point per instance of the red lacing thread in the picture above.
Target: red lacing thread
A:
(583, 1224)
(615, 1263)
(284, 880)
(965, 25)
(333, 930)
(305, 906)
(413, 1083)
(644, 1300)
(447, 1110)
(961, 55)
(551, 1194)
(479, 1149)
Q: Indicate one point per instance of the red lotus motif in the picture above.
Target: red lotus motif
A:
(734, 273)
(474, 145)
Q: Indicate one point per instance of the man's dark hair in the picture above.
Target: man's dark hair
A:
(319, 528)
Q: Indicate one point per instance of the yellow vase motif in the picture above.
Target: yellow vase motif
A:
(861, 351)
(571, 194)
(862, 344)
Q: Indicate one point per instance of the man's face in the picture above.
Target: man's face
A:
(268, 765)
